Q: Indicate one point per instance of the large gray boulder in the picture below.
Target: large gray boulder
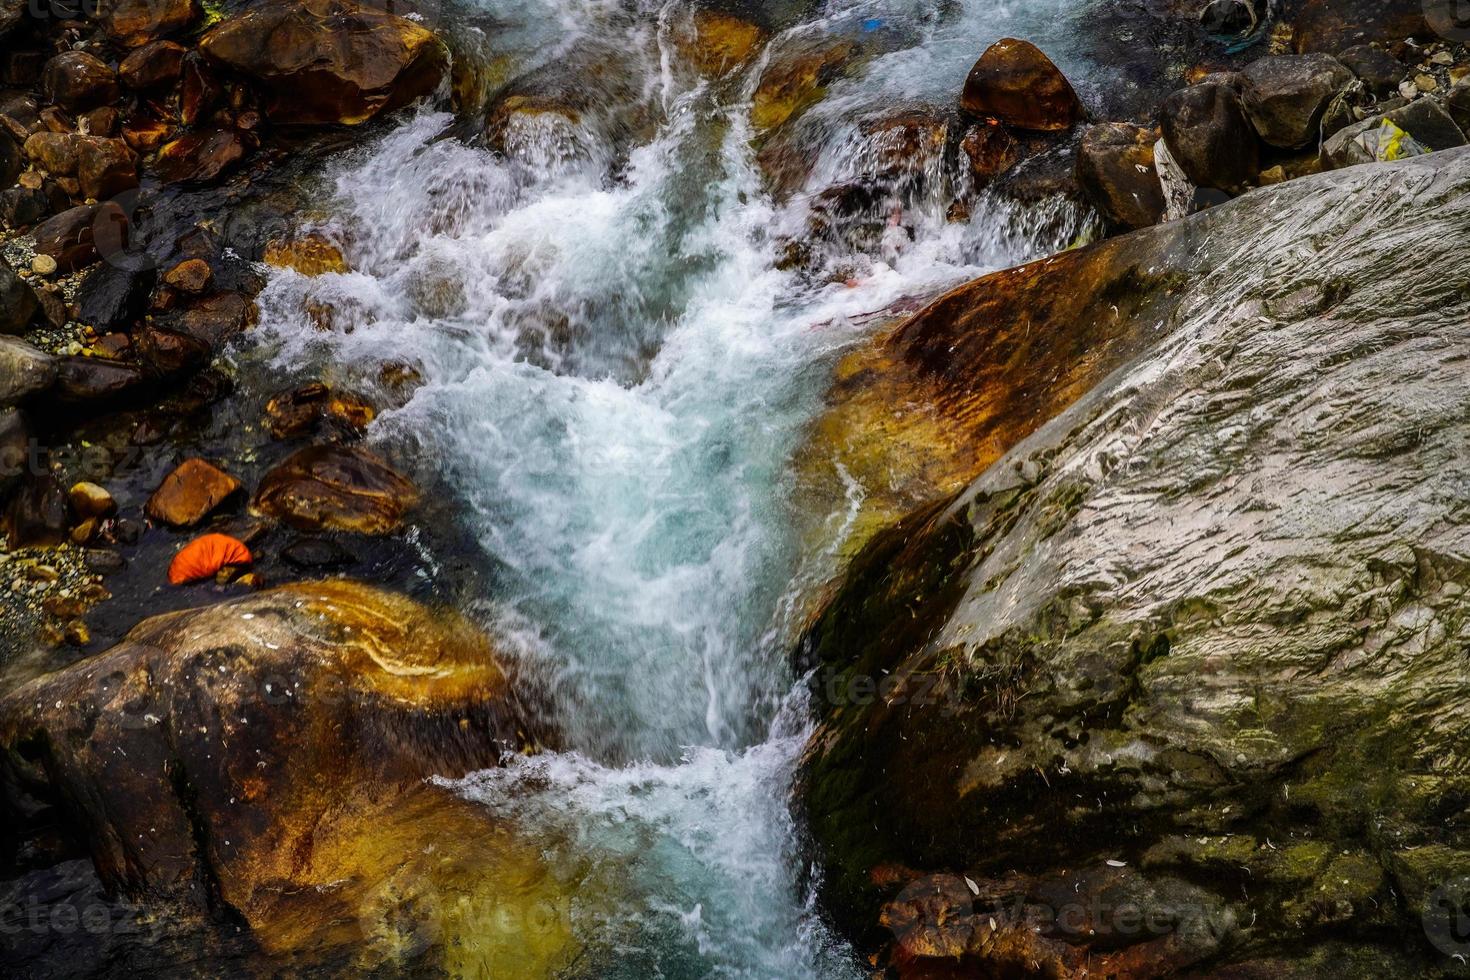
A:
(1285, 96)
(1178, 684)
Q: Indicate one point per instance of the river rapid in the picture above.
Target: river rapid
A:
(614, 376)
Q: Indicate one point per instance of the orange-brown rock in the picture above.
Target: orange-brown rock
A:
(311, 255)
(296, 412)
(55, 153)
(190, 493)
(343, 488)
(105, 167)
(154, 64)
(135, 22)
(991, 150)
(77, 81)
(1115, 169)
(328, 61)
(189, 276)
(1018, 84)
(716, 42)
(268, 758)
(202, 156)
(797, 77)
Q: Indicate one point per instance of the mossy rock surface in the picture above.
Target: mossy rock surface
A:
(1196, 634)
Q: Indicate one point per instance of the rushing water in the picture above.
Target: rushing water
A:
(615, 375)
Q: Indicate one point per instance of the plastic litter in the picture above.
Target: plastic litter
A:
(205, 555)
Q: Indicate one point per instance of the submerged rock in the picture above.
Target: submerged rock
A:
(265, 759)
(328, 61)
(1018, 84)
(1178, 680)
(344, 488)
(191, 493)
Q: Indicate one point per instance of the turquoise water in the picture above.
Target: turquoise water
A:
(615, 378)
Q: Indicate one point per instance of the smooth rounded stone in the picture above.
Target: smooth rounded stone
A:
(96, 381)
(1115, 169)
(1286, 95)
(317, 554)
(78, 81)
(796, 76)
(311, 255)
(73, 237)
(146, 132)
(279, 747)
(341, 488)
(1146, 633)
(1018, 84)
(328, 61)
(1209, 135)
(1331, 25)
(91, 500)
(298, 411)
(202, 157)
(105, 167)
(24, 370)
(191, 276)
(18, 303)
(43, 265)
(154, 65)
(190, 493)
(136, 22)
(1379, 71)
(113, 297)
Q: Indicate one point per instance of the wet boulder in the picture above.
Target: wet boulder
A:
(91, 382)
(328, 61)
(311, 255)
(1018, 84)
(75, 236)
(18, 302)
(1285, 96)
(105, 167)
(797, 75)
(991, 150)
(1210, 136)
(301, 410)
(24, 370)
(136, 22)
(204, 156)
(55, 153)
(268, 759)
(190, 493)
(12, 159)
(1115, 169)
(36, 514)
(717, 42)
(78, 81)
(344, 488)
(1174, 678)
(112, 297)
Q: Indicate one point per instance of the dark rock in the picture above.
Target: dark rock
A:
(1017, 84)
(1115, 169)
(136, 22)
(54, 310)
(214, 320)
(104, 561)
(190, 493)
(78, 81)
(1285, 96)
(15, 447)
(1228, 18)
(320, 554)
(1378, 70)
(105, 167)
(1457, 104)
(344, 488)
(18, 303)
(991, 150)
(154, 65)
(202, 157)
(168, 353)
(145, 132)
(21, 207)
(1331, 25)
(1209, 135)
(75, 237)
(24, 370)
(12, 159)
(1047, 175)
(95, 381)
(37, 514)
(199, 90)
(328, 61)
(1051, 683)
(113, 297)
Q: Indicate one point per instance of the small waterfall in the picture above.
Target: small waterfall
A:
(614, 372)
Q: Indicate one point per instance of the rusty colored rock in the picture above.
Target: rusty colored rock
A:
(190, 493)
(1115, 169)
(296, 412)
(310, 255)
(190, 276)
(202, 157)
(78, 81)
(105, 167)
(154, 65)
(136, 22)
(342, 488)
(1018, 84)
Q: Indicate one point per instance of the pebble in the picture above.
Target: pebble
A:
(1408, 89)
(1442, 58)
(1425, 83)
(43, 265)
